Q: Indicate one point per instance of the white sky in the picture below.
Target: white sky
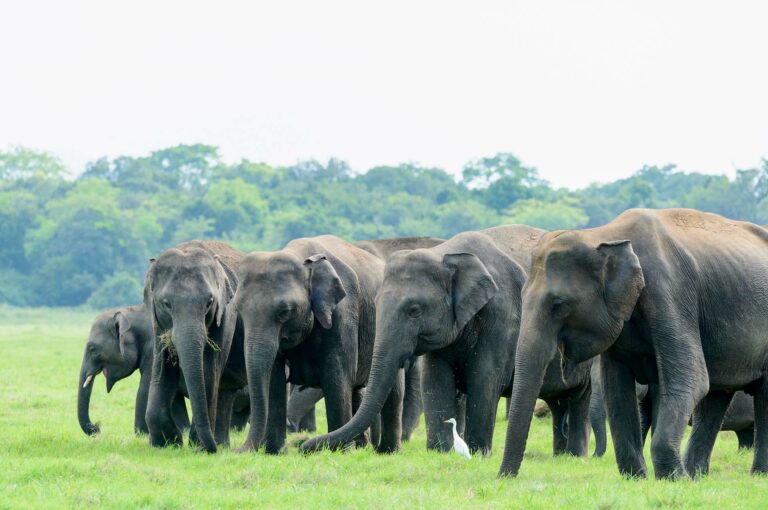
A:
(584, 91)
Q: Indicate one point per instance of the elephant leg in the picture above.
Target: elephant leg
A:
(412, 401)
(179, 411)
(338, 400)
(162, 389)
(647, 405)
(707, 420)
(308, 422)
(558, 408)
(578, 420)
(746, 438)
(274, 439)
(760, 462)
(392, 417)
(225, 404)
(482, 405)
(142, 395)
(438, 390)
(597, 420)
(461, 413)
(623, 417)
(375, 430)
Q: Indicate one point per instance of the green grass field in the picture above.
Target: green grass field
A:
(47, 462)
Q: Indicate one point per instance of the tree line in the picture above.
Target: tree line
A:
(87, 240)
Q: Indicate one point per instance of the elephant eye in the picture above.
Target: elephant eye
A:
(283, 313)
(414, 311)
(167, 304)
(559, 309)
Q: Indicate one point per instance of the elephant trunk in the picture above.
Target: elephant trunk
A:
(384, 368)
(260, 354)
(533, 355)
(84, 388)
(189, 339)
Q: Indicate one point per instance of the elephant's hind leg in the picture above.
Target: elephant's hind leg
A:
(760, 462)
(707, 420)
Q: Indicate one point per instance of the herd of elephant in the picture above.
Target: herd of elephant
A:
(654, 321)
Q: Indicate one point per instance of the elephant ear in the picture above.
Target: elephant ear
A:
(149, 300)
(622, 278)
(122, 326)
(226, 289)
(325, 288)
(472, 286)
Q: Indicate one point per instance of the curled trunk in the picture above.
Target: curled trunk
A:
(384, 371)
(83, 403)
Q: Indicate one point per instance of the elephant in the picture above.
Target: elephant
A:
(301, 409)
(310, 306)
(458, 305)
(672, 296)
(383, 248)
(188, 290)
(119, 343)
(739, 418)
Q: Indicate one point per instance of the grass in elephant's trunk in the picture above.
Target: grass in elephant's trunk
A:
(167, 345)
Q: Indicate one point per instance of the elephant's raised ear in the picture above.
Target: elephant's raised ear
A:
(325, 288)
(471, 288)
(226, 289)
(122, 326)
(622, 278)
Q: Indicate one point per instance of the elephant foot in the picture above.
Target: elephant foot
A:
(162, 441)
(671, 473)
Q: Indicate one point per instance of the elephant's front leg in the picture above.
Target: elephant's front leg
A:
(162, 389)
(274, 438)
(212, 367)
(760, 462)
(707, 420)
(392, 417)
(337, 388)
(683, 382)
(438, 389)
(559, 410)
(142, 396)
(482, 403)
(373, 434)
(623, 417)
(179, 411)
(578, 420)
(225, 404)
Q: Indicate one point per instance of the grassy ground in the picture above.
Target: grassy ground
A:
(47, 462)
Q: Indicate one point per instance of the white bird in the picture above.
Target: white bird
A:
(458, 443)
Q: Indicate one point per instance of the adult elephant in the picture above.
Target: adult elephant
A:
(739, 418)
(458, 304)
(310, 306)
(188, 291)
(675, 297)
(119, 343)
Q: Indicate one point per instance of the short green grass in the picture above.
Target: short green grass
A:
(47, 462)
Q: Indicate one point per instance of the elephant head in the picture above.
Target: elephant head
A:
(576, 300)
(187, 292)
(279, 299)
(112, 349)
(425, 301)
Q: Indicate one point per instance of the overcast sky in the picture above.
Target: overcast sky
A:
(584, 91)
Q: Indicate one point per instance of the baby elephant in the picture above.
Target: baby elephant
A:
(120, 342)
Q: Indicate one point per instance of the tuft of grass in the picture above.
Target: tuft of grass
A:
(47, 462)
(168, 347)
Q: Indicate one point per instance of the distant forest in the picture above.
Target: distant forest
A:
(68, 242)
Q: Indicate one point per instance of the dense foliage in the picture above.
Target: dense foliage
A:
(67, 241)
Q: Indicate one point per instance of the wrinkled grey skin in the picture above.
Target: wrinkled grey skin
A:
(310, 306)
(301, 408)
(383, 248)
(675, 297)
(119, 343)
(458, 305)
(739, 418)
(188, 290)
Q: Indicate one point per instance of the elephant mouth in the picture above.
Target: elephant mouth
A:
(90, 377)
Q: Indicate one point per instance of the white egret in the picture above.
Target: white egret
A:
(458, 443)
